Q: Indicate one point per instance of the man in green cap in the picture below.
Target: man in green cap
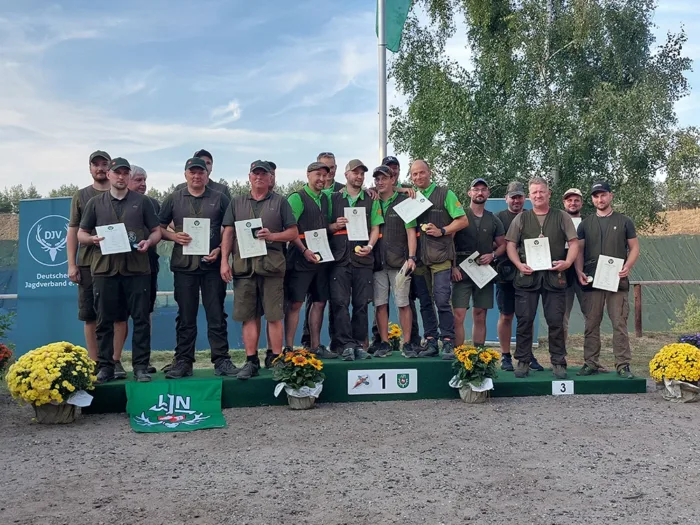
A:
(351, 279)
(437, 226)
(121, 281)
(80, 257)
(195, 273)
(258, 282)
(536, 228)
(208, 160)
(305, 274)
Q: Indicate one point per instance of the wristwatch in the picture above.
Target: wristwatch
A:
(413, 258)
(443, 232)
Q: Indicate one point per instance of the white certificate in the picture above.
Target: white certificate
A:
(199, 230)
(537, 254)
(607, 273)
(411, 209)
(357, 224)
(481, 274)
(317, 242)
(246, 237)
(116, 240)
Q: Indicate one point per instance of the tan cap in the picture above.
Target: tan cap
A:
(354, 164)
(573, 191)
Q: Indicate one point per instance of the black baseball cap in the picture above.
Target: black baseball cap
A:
(390, 160)
(600, 186)
(317, 166)
(479, 181)
(203, 153)
(260, 165)
(195, 162)
(382, 170)
(119, 162)
(271, 164)
(101, 155)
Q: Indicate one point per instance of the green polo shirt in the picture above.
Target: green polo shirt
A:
(385, 206)
(452, 205)
(377, 217)
(298, 205)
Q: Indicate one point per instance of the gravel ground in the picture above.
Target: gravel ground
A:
(549, 460)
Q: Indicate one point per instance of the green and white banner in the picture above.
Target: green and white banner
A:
(174, 406)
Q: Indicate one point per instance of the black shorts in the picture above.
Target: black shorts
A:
(315, 283)
(86, 298)
(505, 298)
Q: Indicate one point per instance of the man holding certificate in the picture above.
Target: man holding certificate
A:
(573, 202)
(208, 160)
(536, 245)
(484, 231)
(433, 275)
(354, 227)
(126, 226)
(196, 212)
(258, 278)
(609, 250)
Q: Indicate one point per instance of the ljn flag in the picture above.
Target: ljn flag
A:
(174, 406)
(395, 14)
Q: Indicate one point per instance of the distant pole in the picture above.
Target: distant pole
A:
(381, 21)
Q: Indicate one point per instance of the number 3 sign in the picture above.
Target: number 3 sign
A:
(562, 388)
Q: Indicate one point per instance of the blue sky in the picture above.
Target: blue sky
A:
(155, 80)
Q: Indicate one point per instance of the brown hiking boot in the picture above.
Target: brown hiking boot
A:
(522, 369)
(559, 371)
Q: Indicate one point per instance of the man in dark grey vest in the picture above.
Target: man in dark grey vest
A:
(535, 228)
(606, 235)
(208, 160)
(80, 256)
(437, 227)
(124, 275)
(485, 231)
(351, 278)
(258, 282)
(197, 203)
(305, 274)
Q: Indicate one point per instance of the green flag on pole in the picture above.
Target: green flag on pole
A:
(396, 12)
(174, 406)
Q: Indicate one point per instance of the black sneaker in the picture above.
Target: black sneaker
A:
(383, 350)
(178, 370)
(507, 362)
(361, 354)
(105, 375)
(625, 372)
(409, 351)
(119, 372)
(431, 349)
(375, 347)
(142, 376)
(448, 351)
(151, 369)
(225, 368)
(323, 353)
(269, 356)
(534, 365)
(169, 365)
(587, 371)
(287, 349)
(250, 369)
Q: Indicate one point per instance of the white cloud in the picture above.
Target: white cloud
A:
(231, 112)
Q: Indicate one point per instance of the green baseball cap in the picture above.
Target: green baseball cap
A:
(260, 165)
(196, 162)
(119, 162)
(100, 154)
(317, 166)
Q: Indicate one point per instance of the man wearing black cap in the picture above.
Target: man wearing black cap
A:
(485, 231)
(305, 274)
(573, 202)
(80, 257)
(330, 183)
(122, 280)
(351, 277)
(536, 228)
(193, 273)
(609, 235)
(258, 282)
(211, 184)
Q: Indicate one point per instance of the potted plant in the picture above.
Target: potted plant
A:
(395, 337)
(475, 369)
(5, 357)
(49, 377)
(677, 368)
(299, 374)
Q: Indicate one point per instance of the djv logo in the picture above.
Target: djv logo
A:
(46, 241)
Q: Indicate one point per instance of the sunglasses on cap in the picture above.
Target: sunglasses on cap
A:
(326, 154)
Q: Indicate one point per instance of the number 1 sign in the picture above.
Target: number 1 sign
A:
(391, 381)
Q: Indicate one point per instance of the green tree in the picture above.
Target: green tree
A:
(683, 170)
(567, 89)
(10, 197)
(65, 190)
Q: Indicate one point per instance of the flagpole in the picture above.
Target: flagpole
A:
(381, 39)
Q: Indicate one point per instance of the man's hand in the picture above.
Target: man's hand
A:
(364, 251)
(96, 239)
(74, 273)
(582, 278)
(339, 224)
(372, 193)
(410, 192)
(144, 245)
(212, 256)
(411, 266)
(432, 230)
(183, 238)
(310, 256)
(456, 274)
(559, 266)
(225, 272)
(625, 271)
(525, 269)
(264, 234)
(487, 258)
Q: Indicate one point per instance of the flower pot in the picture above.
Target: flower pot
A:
(470, 396)
(301, 403)
(49, 414)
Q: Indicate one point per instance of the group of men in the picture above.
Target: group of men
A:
(425, 254)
